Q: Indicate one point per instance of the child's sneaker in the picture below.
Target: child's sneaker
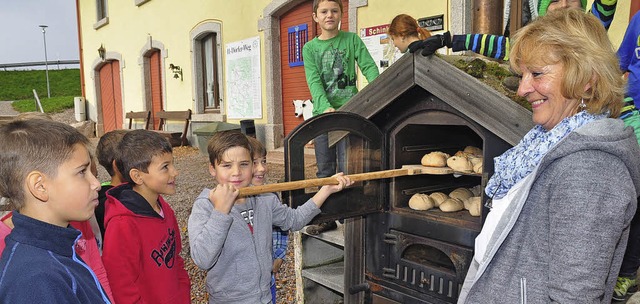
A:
(624, 286)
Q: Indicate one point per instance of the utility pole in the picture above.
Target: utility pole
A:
(46, 62)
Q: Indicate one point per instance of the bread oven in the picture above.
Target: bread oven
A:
(394, 254)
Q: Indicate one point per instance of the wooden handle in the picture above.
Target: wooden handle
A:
(317, 182)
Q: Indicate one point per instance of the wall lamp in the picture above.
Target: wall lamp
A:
(102, 52)
(177, 71)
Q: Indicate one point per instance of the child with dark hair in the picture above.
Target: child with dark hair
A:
(231, 237)
(280, 237)
(142, 240)
(45, 174)
(106, 155)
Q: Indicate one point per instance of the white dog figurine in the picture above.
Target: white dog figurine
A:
(303, 108)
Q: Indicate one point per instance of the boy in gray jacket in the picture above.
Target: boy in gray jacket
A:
(230, 237)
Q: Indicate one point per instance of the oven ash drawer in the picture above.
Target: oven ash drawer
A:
(424, 266)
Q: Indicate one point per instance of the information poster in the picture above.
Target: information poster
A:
(380, 46)
(243, 79)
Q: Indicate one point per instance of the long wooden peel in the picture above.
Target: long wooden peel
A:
(317, 182)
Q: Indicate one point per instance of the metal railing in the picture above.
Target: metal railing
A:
(5, 66)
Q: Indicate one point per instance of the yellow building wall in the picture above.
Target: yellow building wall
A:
(131, 27)
(168, 22)
(380, 12)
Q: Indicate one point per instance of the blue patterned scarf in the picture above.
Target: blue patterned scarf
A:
(519, 161)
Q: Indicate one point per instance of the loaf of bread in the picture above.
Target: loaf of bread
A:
(474, 204)
(473, 150)
(463, 154)
(459, 163)
(461, 193)
(474, 160)
(438, 198)
(435, 159)
(451, 205)
(477, 168)
(420, 201)
(476, 190)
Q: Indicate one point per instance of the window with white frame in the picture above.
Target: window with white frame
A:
(207, 66)
(210, 80)
(102, 15)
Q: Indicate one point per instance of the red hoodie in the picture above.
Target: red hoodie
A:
(141, 250)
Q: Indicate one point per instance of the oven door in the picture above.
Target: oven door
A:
(362, 141)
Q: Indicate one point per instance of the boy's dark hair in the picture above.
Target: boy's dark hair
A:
(257, 147)
(107, 149)
(33, 145)
(137, 148)
(220, 142)
(317, 2)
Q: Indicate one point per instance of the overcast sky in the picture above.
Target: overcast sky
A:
(21, 39)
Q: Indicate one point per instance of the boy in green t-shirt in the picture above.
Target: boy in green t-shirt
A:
(329, 65)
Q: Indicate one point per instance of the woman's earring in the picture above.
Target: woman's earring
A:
(582, 104)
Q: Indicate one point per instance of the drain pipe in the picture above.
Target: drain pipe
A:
(487, 17)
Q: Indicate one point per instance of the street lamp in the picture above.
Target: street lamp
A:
(46, 63)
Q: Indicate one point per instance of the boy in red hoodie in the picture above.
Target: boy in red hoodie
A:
(142, 240)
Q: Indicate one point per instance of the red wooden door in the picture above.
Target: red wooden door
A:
(294, 84)
(155, 78)
(111, 96)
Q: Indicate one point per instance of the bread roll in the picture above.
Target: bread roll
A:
(477, 168)
(473, 150)
(451, 205)
(476, 190)
(461, 193)
(420, 201)
(474, 160)
(435, 159)
(459, 163)
(474, 204)
(438, 198)
(463, 154)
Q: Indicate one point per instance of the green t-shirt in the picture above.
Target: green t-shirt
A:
(330, 70)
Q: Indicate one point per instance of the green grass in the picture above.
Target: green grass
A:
(18, 86)
(49, 105)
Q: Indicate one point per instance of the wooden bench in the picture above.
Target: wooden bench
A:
(175, 138)
(142, 115)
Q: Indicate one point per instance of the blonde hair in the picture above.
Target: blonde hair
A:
(578, 42)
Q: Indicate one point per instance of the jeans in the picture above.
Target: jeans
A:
(631, 260)
(326, 157)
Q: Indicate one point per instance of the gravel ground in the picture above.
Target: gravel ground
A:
(6, 109)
